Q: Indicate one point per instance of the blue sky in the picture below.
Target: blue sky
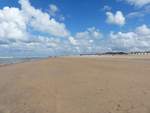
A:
(57, 27)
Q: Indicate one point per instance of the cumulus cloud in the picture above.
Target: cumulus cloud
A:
(117, 18)
(87, 41)
(135, 40)
(18, 27)
(54, 11)
(139, 39)
(41, 21)
(18, 20)
(89, 33)
(31, 31)
(138, 3)
(12, 24)
(72, 40)
(143, 30)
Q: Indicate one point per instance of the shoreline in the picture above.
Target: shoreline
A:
(78, 56)
(21, 62)
(76, 85)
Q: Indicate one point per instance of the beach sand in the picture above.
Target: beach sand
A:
(113, 84)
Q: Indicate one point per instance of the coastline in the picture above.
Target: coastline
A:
(19, 61)
(76, 85)
(140, 57)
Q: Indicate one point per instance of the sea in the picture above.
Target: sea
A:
(11, 60)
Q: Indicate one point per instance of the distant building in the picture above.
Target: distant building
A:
(140, 53)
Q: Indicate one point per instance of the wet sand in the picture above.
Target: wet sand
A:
(114, 84)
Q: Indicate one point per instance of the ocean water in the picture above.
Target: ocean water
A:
(16, 60)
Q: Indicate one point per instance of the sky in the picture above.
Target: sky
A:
(67, 27)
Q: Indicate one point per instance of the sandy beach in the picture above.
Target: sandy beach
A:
(114, 84)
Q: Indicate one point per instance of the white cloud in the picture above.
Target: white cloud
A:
(143, 30)
(107, 8)
(89, 33)
(139, 39)
(136, 14)
(41, 21)
(139, 13)
(53, 9)
(55, 12)
(72, 40)
(87, 41)
(17, 25)
(138, 3)
(117, 18)
(12, 24)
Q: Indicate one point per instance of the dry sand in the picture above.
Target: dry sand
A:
(77, 85)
